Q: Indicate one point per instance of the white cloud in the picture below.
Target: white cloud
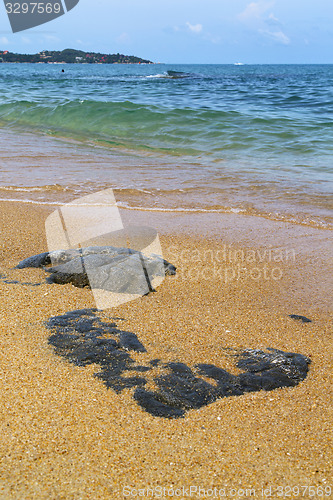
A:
(254, 11)
(4, 40)
(25, 39)
(277, 36)
(195, 28)
(272, 19)
(257, 17)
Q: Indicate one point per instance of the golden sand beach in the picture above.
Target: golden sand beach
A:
(64, 435)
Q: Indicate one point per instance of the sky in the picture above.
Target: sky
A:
(188, 31)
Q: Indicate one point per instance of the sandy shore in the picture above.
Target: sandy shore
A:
(65, 436)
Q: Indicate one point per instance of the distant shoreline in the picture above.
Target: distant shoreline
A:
(40, 62)
(70, 56)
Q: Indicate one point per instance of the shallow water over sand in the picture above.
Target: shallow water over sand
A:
(248, 139)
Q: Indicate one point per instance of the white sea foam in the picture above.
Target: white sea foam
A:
(34, 202)
(126, 206)
(159, 75)
(29, 189)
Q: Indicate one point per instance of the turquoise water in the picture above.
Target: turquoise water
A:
(248, 138)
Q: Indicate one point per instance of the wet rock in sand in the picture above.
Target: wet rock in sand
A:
(119, 270)
(297, 317)
(182, 389)
(40, 260)
(84, 338)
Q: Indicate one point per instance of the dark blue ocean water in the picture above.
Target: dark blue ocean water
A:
(250, 138)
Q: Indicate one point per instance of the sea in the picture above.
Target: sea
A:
(246, 139)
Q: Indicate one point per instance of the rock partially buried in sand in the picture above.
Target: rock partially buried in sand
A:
(304, 319)
(182, 389)
(40, 260)
(120, 270)
(84, 338)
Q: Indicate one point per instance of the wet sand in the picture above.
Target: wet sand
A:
(66, 436)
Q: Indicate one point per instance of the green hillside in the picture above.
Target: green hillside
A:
(70, 56)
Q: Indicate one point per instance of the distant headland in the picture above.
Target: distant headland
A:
(70, 56)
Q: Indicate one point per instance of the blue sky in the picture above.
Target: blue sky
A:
(188, 31)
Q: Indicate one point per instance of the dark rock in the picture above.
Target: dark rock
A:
(40, 260)
(119, 270)
(149, 401)
(287, 365)
(170, 269)
(300, 318)
(154, 362)
(227, 384)
(119, 383)
(182, 389)
(130, 341)
(83, 338)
